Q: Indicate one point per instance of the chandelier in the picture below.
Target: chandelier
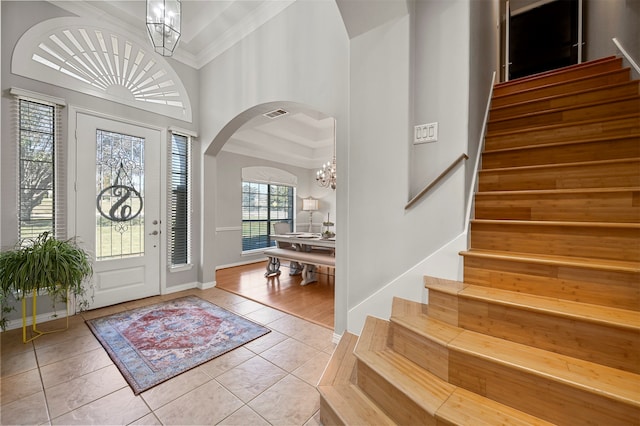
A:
(326, 176)
(163, 23)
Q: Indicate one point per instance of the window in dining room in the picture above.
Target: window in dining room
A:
(263, 205)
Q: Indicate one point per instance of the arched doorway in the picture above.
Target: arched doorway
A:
(288, 136)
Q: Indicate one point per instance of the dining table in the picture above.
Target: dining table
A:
(305, 240)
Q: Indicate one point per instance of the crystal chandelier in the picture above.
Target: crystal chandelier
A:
(326, 176)
(163, 24)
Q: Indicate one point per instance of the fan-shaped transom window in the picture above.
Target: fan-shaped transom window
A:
(85, 57)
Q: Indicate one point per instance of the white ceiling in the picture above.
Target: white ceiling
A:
(302, 137)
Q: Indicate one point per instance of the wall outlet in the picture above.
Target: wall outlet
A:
(424, 133)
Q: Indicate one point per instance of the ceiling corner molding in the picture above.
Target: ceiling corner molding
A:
(89, 57)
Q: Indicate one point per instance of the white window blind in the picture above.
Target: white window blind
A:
(180, 201)
(41, 168)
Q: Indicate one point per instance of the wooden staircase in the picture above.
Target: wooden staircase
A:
(545, 328)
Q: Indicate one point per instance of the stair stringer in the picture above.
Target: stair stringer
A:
(444, 263)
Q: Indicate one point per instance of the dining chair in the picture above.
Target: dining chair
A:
(280, 228)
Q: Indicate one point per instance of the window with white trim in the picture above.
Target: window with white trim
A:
(40, 171)
(180, 199)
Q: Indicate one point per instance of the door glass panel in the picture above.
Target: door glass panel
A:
(120, 195)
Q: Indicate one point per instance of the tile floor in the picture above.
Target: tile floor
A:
(68, 378)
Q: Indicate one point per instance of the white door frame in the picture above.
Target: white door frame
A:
(527, 8)
(71, 161)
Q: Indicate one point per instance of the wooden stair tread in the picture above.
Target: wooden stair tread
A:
(620, 318)
(402, 307)
(554, 260)
(523, 169)
(623, 126)
(618, 225)
(556, 126)
(593, 240)
(558, 77)
(467, 408)
(423, 388)
(443, 285)
(563, 143)
(594, 378)
(603, 78)
(558, 191)
(373, 336)
(564, 96)
(442, 399)
(353, 406)
(633, 99)
(422, 324)
(559, 152)
(342, 363)
(542, 75)
(337, 389)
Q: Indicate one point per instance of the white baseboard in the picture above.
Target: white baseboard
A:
(189, 286)
(40, 318)
(181, 287)
(336, 338)
(205, 286)
(242, 263)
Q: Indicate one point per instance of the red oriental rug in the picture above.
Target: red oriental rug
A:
(155, 343)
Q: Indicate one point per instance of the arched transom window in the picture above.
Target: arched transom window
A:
(92, 59)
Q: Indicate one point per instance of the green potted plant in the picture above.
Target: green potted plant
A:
(48, 265)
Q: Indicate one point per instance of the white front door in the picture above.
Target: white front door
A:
(118, 206)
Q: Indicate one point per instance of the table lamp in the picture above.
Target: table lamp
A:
(310, 205)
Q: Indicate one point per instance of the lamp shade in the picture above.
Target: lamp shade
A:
(163, 24)
(309, 204)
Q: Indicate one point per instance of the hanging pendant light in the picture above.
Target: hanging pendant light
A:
(163, 24)
(326, 176)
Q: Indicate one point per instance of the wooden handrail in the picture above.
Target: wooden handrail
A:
(436, 180)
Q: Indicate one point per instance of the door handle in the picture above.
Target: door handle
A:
(153, 233)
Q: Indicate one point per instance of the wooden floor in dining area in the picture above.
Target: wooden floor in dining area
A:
(313, 302)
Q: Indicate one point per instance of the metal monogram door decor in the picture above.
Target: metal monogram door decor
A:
(120, 200)
(124, 194)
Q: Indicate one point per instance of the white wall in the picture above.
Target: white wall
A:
(434, 66)
(441, 86)
(380, 243)
(484, 34)
(387, 98)
(606, 19)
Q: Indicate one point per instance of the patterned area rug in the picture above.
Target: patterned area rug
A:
(157, 342)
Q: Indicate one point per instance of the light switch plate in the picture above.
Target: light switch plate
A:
(424, 133)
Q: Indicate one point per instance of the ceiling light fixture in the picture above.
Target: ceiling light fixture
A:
(163, 24)
(326, 176)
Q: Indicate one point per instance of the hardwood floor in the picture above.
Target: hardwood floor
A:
(313, 302)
